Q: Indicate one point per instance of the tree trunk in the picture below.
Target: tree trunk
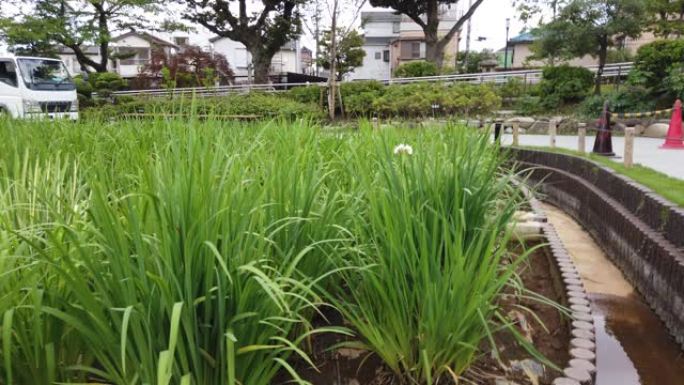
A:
(434, 50)
(261, 62)
(603, 56)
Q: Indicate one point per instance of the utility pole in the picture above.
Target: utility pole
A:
(332, 77)
(508, 27)
(467, 50)
(317, 32)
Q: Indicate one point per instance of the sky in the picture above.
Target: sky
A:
(489, 22)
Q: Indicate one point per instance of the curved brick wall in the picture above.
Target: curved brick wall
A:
(640, 231)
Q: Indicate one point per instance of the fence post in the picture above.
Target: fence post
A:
(629, 147)
(581, 138)
(552, 132)
(516, 133)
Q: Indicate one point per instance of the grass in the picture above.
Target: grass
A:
(186, 252)
(664, 185)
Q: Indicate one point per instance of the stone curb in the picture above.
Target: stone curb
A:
(640, 231)
(581, 368)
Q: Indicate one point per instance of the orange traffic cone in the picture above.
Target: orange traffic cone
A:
(603, 144)
(674, 139)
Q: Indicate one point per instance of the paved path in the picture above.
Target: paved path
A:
(646, 151)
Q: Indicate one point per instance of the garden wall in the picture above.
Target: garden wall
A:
(640, 231)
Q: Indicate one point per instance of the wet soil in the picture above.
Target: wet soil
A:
(633, 346)
(348, 366)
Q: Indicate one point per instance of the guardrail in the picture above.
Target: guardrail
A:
(611, 71)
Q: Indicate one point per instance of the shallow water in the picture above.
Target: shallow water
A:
(633, 346)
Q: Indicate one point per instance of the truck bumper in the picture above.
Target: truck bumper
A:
(55, 116)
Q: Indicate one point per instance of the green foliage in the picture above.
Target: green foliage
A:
(105, 83)
(195, 252)
(529, 105)
(264, 106)
(668, 17)
(310, 94)
(657, 67)
(416, 100)
(349, 55)
(74, 24)
(627, 99)
(591, 27)
(564, 84)
(513, 88)
(475, 60)
(415, 69)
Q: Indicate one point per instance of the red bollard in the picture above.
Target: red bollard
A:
(674, 139)
(603, 144)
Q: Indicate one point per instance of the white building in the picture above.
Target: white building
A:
(287, 59)
(136, 47)
(391, 40)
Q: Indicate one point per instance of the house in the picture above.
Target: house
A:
(392, 40)
(130, 52)
(520, 51)
(288, 59)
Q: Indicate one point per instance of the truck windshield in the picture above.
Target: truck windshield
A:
(45, 75)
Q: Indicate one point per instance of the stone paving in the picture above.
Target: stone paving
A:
(646, 151)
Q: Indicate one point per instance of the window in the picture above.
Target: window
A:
(378, 55)
(415, 50)
(386, 56)
(396, 27)
(8, 74)
(134, 56)
(410, 50)
(181, 40)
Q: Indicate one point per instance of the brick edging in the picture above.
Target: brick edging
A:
(581, 367)
(650, 261)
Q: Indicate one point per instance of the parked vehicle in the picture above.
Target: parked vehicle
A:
(36, 88)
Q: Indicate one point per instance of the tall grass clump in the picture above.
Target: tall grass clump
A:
(198, 252)
(435, 225)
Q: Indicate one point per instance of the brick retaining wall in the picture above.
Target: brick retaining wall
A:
(640, 231)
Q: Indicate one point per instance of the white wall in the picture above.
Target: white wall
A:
(372, 68)
(236, 53)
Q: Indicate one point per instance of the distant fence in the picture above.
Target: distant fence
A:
(611, 71)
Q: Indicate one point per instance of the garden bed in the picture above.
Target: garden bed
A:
(539, 275)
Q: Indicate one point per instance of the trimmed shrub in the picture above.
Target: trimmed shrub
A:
(564, 84)
(260, 104)
(416, 69)
(627, 99)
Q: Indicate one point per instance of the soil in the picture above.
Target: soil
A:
(347, 366)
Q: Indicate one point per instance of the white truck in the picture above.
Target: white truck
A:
(39, 88)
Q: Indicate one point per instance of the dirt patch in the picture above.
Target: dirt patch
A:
(515, 364)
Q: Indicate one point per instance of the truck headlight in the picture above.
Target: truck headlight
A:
(31, 106)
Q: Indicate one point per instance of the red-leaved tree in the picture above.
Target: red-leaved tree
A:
(190, 67)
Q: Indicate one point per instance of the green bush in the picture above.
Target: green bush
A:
(513, 88)
(310, 94)
(627, 99)
(564, 84)
(654, 61)
(358, 97)
(529, 105)
(416, 100)
(259, 104)
(416, 69)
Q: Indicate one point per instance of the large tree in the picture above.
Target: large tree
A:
(37, 25)
(263, 30)
(591, 27)
(530, 9)
(428, 15)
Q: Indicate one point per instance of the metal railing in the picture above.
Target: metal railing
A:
(611, 71)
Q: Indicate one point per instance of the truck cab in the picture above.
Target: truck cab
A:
(38, 88)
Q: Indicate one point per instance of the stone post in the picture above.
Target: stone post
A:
(516, 133)
(582, 138)
(552, 132)
(629, 146)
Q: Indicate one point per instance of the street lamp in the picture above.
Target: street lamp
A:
(508, 27)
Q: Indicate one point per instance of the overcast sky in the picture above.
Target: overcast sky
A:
(488, 22)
